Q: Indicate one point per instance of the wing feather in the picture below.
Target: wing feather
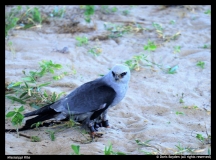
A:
(87, 98)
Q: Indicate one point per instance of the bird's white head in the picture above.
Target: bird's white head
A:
(120, 73)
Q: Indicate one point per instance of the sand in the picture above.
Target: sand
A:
(150, 108)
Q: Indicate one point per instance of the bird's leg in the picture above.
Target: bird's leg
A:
(105, 124)
(93, 130)
(91, 127)
(103, 121)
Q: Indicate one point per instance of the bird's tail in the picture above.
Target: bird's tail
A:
(43, 113)
(44, 110)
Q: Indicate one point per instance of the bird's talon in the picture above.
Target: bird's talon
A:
(92, 129)
(100, 124)
(96, 134)
(92, 134)
(105, 123)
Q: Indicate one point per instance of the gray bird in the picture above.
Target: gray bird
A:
(88, 103)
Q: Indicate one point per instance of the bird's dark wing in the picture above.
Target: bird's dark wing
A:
(87, 98)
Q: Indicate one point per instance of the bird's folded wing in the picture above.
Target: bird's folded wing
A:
(87, 98)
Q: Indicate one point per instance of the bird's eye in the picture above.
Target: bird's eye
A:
(123, 74)
(113, 74)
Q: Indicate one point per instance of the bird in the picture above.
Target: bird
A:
(88, 103)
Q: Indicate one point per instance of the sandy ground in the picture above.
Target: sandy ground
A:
(149, 110)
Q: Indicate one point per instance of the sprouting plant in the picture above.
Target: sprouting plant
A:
(119, 30)
(29, 90)
(71, 123)
(47, 66)
(11, 23)
(51, 134)
(11, 19)
(190, 107)
(157, 26)
(58, 77)
(179, 113)
(95, 51)
(115, 30)
(132, 6)
(109, 151)
(81, 40)
(76, 149)
(35, 139)
(172, 22)
(200, 64)
(148, 153)
(177, 49)
(16, 117)
(159, 29)
(126, 12)
(36, 15)
(195, 107)
(172, 70)
(205, 46)
(30, 17)
(134, 63)
(146, 143)
(168, 38)
(208, 12)
(200, 137)
(107, 10)
(175, 36)
(89, 11)
(151, 46)
(114, 9)
(36, 125)
(58, 12)
(181, 99)
(181, 149)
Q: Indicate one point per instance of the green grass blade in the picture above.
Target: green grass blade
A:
(16, 84)
(15, 99)
(120, 153)
(17, 119)
(22, 95)
(21, 109)
(37, 15)
(75, 149)
(28, 79)
(26, 85)
(10, 114)
(44, 84)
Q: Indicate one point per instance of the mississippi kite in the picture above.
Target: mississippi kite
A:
(88, 103)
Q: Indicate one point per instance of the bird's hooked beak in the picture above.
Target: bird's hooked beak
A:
(117, 77)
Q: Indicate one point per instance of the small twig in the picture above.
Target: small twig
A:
(207, 135)
(24, 135)
(81, 141)
(129, 22)
(206, 130)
